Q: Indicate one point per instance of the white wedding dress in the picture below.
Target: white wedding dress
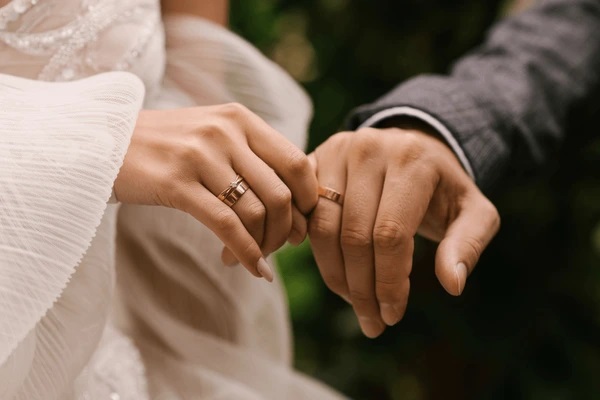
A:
(101, 301)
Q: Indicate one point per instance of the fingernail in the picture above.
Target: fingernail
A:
(370, 327)
(390, 314)
(265, 269)
(461, 276)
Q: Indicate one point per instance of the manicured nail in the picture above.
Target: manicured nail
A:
(265, 269)
(461, 276)
(370, 327)
(390, 314)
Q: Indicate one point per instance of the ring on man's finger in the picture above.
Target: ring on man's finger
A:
(331, 194)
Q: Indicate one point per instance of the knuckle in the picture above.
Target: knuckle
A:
(321, 227)
(414, 156)
(225, 220)
(412, 140)
(234, 109)
(298, 163)
(412, 150)
(492, 211)
(282, 196)
(185, 150)
(360, 296)
(366, 145)
(336, 283)
(354, 238)
(210, 130)
(338, 140)
(256, 213)
(388, 278)
(475, 246)
(389, 234)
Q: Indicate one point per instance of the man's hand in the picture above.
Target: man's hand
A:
(396, 183)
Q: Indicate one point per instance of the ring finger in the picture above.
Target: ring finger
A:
(273, 193)
(252, 214)
(324, 230)
(248, 207)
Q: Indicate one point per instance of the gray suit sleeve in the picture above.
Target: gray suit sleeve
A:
(507, 103)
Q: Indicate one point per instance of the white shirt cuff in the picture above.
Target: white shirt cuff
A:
(428, 119)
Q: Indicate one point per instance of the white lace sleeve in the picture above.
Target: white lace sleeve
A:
(61, 146)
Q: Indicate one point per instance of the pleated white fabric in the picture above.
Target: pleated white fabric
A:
(179, 325)
(61, 146)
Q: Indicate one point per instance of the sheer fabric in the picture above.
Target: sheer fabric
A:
(58, 158)
(178, 325)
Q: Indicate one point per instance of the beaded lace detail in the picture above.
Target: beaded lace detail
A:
(13, 10)
(100, 17)
(71, 51)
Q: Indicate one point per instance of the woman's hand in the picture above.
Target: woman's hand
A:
(185, 158)
(396, 182)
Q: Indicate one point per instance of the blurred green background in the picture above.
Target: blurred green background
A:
(528, 324)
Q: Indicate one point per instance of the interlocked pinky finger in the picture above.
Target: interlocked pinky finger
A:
(324, 231)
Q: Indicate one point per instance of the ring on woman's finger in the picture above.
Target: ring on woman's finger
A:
(234, 191)
(331, 194)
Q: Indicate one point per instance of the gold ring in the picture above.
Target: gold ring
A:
(234, 191)
(331, 194)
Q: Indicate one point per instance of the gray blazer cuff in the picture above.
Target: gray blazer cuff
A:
(449, 102)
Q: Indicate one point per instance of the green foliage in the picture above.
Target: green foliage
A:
(528, 324)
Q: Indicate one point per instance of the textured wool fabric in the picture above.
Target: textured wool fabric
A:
(507, 103)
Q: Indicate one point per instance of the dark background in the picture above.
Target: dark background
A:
(528, 324)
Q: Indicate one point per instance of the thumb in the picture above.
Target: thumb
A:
(466, 238)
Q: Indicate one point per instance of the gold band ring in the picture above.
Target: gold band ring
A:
(331, 194)
(234, 191)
